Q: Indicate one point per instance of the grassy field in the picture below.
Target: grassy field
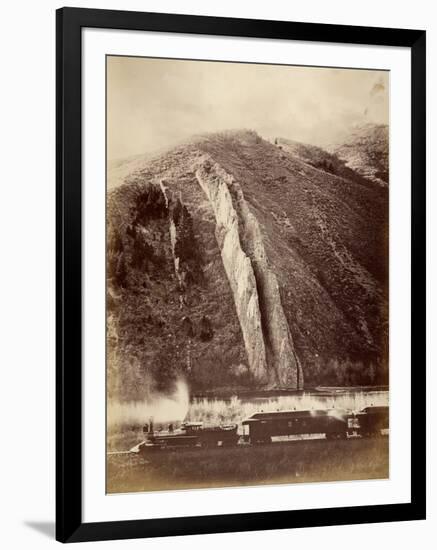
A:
(284, 462)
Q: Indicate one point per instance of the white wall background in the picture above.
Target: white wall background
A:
(27, 218)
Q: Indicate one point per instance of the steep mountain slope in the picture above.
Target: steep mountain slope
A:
(118, 170)
(366, 151)
(319, 158)
(239, 263)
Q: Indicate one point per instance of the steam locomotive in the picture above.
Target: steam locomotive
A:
(192, 434)
(262, 427)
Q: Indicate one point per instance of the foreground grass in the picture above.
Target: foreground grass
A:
(288, 462)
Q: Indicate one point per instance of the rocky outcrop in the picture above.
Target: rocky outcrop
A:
(255, 287)
(238, 269)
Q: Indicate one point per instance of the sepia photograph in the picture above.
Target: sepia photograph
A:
(247, 270)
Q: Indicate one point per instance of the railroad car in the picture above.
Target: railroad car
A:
(370, 421)
(262, 426)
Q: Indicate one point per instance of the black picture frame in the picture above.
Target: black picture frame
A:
(69, 525)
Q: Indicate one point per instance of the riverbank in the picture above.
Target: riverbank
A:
(244, 393)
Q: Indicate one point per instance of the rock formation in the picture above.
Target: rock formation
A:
(255, 287)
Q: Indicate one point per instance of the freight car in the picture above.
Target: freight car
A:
(370, 421)
(192, 434)
(262, 426)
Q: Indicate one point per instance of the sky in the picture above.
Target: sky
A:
(154, 104)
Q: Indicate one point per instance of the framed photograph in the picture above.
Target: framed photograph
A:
(240, 274)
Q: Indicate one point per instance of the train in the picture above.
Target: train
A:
(262, 427)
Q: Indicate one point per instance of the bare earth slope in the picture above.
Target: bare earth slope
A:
(366, 151)
(235, 262)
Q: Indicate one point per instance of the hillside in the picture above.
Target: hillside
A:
(118, 170)
(234, 262)
(366, 151)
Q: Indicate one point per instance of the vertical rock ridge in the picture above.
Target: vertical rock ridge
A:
(279, 341)
(227, 199)
(239, 271)
(172, 230)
